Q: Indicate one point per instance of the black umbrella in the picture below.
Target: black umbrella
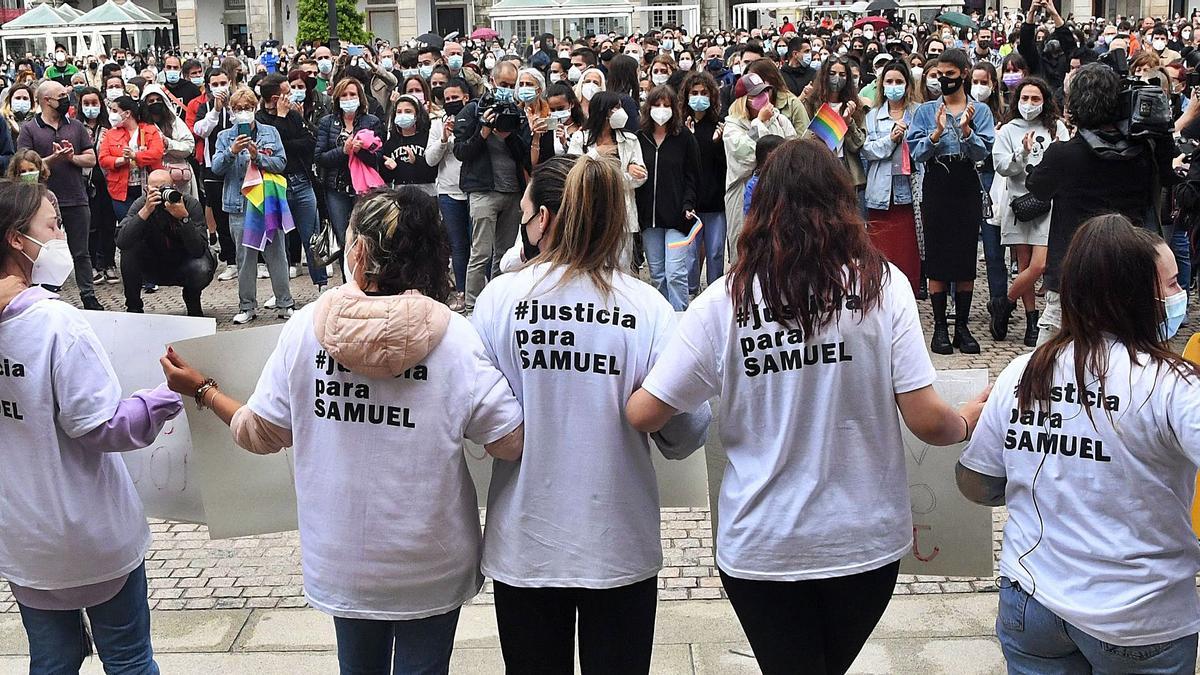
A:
(124, 40)
(432, 40)
(882, 5)
(157, 37)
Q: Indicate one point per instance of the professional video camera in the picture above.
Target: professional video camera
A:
(508, 115)
(1145, 109)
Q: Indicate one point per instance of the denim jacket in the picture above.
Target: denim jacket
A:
(883, 186)
(977, 146)
(271, 158)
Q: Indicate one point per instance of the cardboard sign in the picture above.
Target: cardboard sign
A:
(163, 471)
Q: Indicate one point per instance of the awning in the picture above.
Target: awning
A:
(124, 12)
(517, 10)
(41, 16)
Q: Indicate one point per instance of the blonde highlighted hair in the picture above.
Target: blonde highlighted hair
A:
(589, 236)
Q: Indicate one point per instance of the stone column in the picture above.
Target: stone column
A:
(189, 32)
(258, 20)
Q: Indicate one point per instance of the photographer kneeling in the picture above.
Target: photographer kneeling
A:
(164, 241)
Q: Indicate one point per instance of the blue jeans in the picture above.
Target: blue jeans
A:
(456, 214)
(1038, 642)
(993, 250)
(121, 209)
(120, 630)
(1182, 246)
(247, 266)
(303, 203)
(713, 235)
(416, 647)
(669, 267)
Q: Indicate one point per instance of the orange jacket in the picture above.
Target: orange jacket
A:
(112, 148)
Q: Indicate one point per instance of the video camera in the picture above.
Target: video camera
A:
(508, 115)
(1145, 109)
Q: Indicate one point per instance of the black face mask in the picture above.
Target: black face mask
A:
(121, 62)
(716, 65)
(158, 109)
(950, 86)
(453, 107)
(606, 55)
(61, 104)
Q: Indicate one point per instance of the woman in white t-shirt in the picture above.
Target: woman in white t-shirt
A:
(1092, 441)
(374, 386)
(573, 529)
(73, 536)
(811, 345)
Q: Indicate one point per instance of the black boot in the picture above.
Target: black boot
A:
(940, 344)
(1031, 328)
(963, 339)
(1001, 309)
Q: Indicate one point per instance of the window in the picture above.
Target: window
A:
(166, 6)
(235, 4)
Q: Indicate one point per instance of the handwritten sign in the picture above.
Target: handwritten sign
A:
(163, 471)
(952, 536)
(246, 494)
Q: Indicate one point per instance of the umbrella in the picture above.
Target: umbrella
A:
(484, 34)
(124, 40)
(882, 5)
(957, 19)
(432, 40)
(98, 44)
(859, 7)
(879, 22)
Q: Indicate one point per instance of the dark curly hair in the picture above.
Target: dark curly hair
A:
(1093, 100)
(406, 244)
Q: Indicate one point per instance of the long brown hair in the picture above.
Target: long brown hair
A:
(804, 238)
(589, 235)
(1109, 287)
(1049, 116)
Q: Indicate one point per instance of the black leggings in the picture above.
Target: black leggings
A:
(816, 626)
(616, 628)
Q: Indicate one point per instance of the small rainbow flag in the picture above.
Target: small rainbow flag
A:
(691, 236)
(828, 126)
(267, 209)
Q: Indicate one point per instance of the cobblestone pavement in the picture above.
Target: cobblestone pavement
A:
(188, 571)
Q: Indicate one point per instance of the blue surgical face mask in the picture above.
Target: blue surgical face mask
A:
(526, 94)
(198, 81)
(1176, 306)
(405, 120)
(455, 61)
(425, 72)
(297, 95)
(504, 94)
(699, 103)
(349, 105)
(386, 63)
(91, 111)
(172, 76)
(893, 92)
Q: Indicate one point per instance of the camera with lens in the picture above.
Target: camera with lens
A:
(170, 195)
(1145, 109)
(508, 115)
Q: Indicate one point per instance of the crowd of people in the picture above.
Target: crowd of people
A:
(499, 207)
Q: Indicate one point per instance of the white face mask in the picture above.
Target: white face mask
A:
(659, 79)
(574, 74)
(980, 92)
(116, 119)
(589, 89)
(1030, 111)
(618, 119)
(347, 270)
(660, 114)
(685, 64)
(53, 264)
(114, 94)
(243, 117)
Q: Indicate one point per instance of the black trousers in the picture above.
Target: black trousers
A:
(141, 266)
(811, 627)
(212, 199)
(616, 628)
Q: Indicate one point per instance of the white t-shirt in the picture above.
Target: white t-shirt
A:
(1117, 557)
(389, 525)
(581, 508)
(816, 485)
(69, 514)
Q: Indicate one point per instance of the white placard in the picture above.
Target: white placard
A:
(952, 536)
(163, 471)
(247, 494)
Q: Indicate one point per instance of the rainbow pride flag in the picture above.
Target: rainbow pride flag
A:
(267, 209)
(691, 236)
(828, 126)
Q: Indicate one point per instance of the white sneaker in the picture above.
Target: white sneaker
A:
(243, 318)
(262, 271)
(286, 313)
(270, 303)
(321, 288)
(229, 274)
(293, 271)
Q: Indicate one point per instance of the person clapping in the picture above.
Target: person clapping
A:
(164, 241)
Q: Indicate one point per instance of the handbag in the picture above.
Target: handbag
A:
(1027, 207)
(324, 244)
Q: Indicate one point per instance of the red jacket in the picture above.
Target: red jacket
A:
(112, 148)
(193, 113)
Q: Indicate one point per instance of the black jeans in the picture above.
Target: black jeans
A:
(76, 221)
(816, 626)
(212, 199)
(102, 235)
(143, 266)
(616, 628)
